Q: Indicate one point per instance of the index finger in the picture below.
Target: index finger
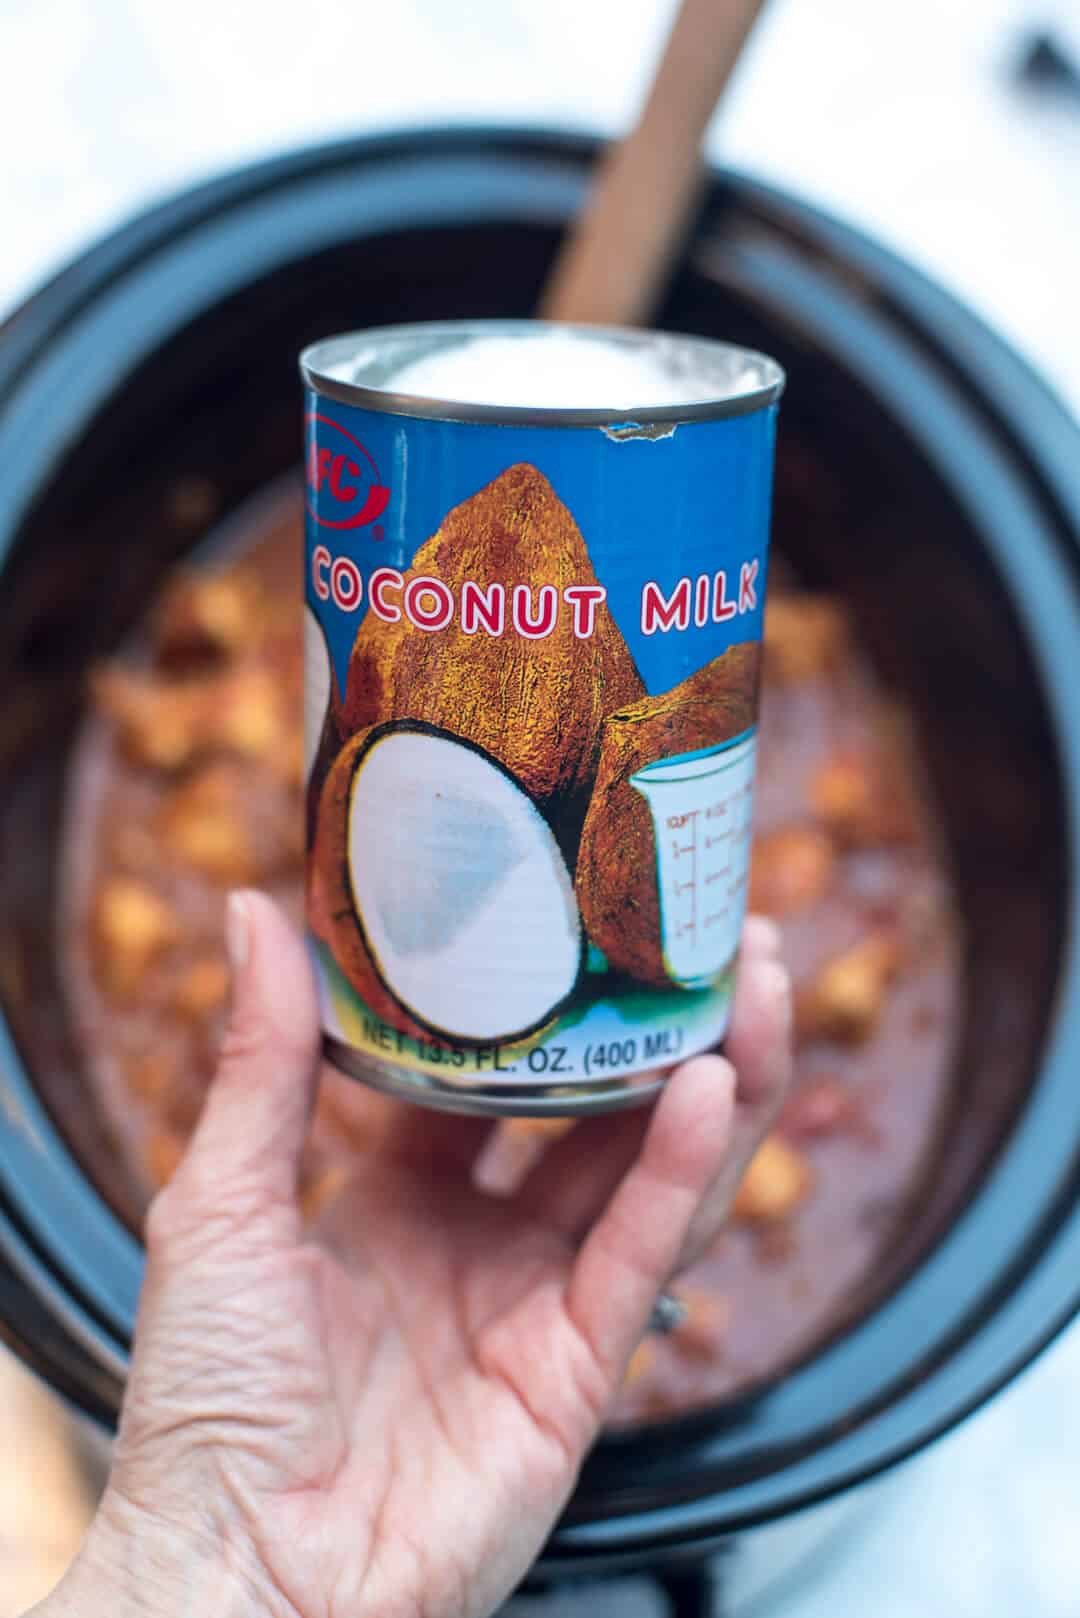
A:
(569, 1179)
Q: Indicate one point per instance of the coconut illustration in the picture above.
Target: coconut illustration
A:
(527, 671)
(440, 888)
(658, 879)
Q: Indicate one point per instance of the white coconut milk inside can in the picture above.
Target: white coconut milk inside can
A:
(535, 582)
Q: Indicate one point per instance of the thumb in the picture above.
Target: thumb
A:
(245, 1153)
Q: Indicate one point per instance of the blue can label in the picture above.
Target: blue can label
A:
(532, 671)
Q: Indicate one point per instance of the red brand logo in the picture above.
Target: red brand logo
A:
(344, 489)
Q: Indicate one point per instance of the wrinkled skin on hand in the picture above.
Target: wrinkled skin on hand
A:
(386, 1415)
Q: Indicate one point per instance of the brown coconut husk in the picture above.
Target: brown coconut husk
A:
(616, 876)
(329, 749)
(330, 910)
(535, 706)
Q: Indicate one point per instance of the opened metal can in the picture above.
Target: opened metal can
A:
(535, 581)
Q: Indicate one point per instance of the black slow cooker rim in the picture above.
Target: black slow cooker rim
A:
(987, 369)
(1002, 402)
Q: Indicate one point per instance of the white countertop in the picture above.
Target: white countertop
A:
(902, 118)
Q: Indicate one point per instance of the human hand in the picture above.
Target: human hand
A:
(387, 1415)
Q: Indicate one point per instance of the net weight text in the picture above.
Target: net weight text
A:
(612, 1055)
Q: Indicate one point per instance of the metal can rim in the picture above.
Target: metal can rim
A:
(318, 357)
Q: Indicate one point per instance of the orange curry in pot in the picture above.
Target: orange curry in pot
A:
(188, 781)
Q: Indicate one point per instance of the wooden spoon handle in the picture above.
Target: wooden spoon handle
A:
(612, 266)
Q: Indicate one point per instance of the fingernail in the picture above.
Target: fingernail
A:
(237, 931)
(779, 980)
(766, 934)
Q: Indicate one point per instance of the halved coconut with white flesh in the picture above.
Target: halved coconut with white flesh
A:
(443, 882)
(317, 677)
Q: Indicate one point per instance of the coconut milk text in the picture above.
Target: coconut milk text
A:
(430, 605)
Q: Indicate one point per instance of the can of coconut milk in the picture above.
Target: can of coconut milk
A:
(535, 580)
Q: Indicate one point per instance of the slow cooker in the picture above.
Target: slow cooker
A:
(924, 472)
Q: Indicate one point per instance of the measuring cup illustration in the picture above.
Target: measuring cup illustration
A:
(700, 804)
